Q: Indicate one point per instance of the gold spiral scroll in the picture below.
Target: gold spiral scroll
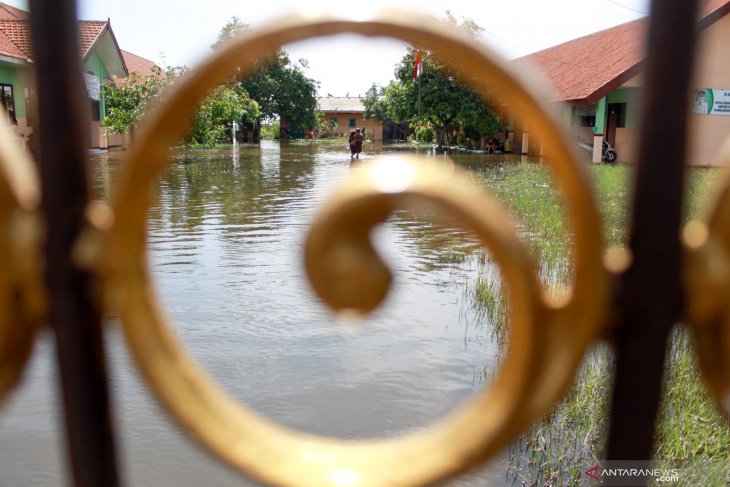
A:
(276, 455)
(19, 279)
(347, 273)
(708, 289)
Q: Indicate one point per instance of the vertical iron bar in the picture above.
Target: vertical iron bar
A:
(650, 292)
(63, 136)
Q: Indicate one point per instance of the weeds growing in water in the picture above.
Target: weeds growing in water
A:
(691, 433)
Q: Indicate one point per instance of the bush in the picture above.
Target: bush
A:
(270, 131)
(425, 134)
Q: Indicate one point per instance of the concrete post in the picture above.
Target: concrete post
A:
(525, 143)
(597, 148)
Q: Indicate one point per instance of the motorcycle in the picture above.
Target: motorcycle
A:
(608, 153)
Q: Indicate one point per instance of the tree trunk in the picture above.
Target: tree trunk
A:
(440, 139)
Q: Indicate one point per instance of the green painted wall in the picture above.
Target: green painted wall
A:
(630, 96)
(600, 126)
(12, 75)
(96, 65)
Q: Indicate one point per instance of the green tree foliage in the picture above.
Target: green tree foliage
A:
(229, 31)
(326, 126)
(437, 99)
(283, 90)
(128, 99)
(216, 114)
(279, 86)
(270, 130)
(276, 88)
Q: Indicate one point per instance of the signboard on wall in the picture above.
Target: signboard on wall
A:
(709, 101)
(92, 85)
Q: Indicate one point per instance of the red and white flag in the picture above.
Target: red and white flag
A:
(418, 67)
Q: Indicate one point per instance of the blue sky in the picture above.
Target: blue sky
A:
(177, 32)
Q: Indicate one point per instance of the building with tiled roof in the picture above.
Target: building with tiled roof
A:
(8, 12)
(138, 64)
(598, 78)
(345, 114)
(101, 60)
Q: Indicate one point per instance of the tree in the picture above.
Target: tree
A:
(326, 127)
(127, 100)
(214, 119)
(276, 88)
(280, 87)
(229, 31)
(437, 99)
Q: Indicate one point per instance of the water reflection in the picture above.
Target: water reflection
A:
(225, 240)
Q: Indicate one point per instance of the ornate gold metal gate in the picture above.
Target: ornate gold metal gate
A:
(94, 260)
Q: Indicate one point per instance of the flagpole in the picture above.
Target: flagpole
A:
(419, 99)
(417, 70)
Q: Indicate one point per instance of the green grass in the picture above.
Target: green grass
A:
(556, 450)
(691, 432)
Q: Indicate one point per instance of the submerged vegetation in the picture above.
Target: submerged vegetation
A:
(691, 434)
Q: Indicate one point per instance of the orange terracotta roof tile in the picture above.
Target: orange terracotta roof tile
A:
(9, 49)
(588, 68)
(15, 29)
(8, 12)
(710, 6)
(89, 32)
(137, 63)
(350, 104)
(19, 32)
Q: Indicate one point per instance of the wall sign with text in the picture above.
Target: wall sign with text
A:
(708, 101)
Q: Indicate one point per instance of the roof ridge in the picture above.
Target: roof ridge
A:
(582, 38)
(102, 24)
(584, 68)
(13, 11)
(16, 36)
(703, 16)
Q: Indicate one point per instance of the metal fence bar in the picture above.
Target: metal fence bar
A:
(75, 318)
(650, 291)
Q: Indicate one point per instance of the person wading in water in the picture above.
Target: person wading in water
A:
(355, 144)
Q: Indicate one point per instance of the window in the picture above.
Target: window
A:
(95, 111)
(8, 102)
(584, 116)
(353, 123)
(588, 121)
(333, 122)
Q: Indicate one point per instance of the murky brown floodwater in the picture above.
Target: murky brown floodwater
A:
(225, 242)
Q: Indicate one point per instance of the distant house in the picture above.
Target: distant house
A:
(599, 77)
(346, 114)
(136, 64)
(101, 59)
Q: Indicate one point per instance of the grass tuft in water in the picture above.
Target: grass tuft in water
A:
(691, 434)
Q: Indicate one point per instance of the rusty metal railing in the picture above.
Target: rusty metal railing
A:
(88, 247)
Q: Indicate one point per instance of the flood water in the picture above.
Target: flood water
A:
(225, 244)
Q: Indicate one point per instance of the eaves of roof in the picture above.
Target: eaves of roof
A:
(609, 86)
(106, 28)
(579, 80)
